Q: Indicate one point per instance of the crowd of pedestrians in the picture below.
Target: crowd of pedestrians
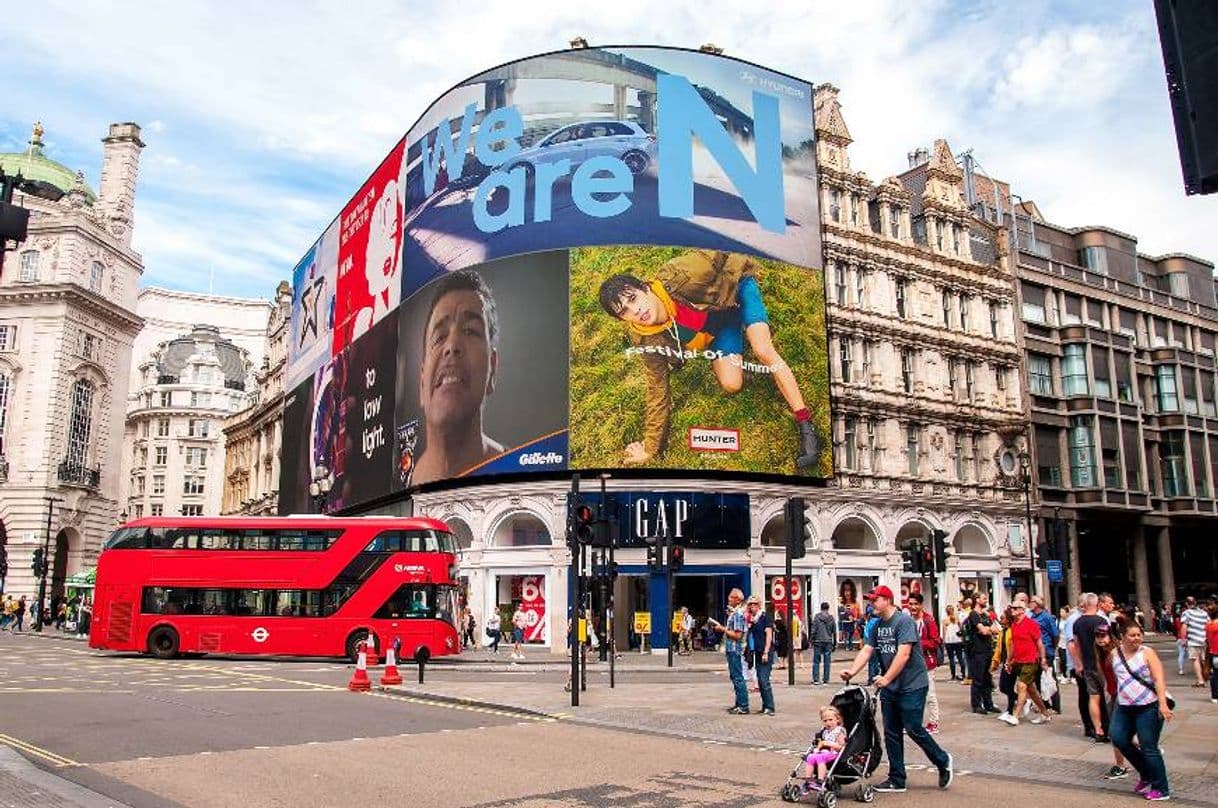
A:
(69, 615)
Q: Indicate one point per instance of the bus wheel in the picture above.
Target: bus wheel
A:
(353, 642)
(163, 643)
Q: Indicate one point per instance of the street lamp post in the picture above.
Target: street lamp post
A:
(319, 488)
(42, 577)
(1025, 476)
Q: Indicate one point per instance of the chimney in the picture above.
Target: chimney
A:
(918, 156)
(120, 167)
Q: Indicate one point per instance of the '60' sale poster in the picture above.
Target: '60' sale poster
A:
(531, 592)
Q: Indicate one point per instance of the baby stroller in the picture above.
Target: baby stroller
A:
(858, 759)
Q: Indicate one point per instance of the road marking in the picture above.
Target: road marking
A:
(45, 754)
(262, 747)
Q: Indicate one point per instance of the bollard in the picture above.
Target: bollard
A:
(421, 655)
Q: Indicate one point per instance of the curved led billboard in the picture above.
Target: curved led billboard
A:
(597, 258)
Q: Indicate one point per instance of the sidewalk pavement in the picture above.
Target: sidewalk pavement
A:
(1056, 753)
(24, 785)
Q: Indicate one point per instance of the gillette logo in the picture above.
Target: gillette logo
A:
(540, 459)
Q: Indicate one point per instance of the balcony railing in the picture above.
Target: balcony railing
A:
(79, 474)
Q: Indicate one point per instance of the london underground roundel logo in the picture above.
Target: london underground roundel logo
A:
(260, 634)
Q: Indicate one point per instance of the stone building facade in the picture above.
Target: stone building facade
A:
(254, 435)
(174, 458)
(67, 322)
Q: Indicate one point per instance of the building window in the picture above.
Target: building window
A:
(965, 302)
(867, 350)
(196, 456)
(88, 345)
(1048, 457)
(143, 456)
(1165, 383)
(1101, 371)
(955, 240)
(162, 427)
(953, 380)
(961, 460)
(854, 209)
(200, 398)
(1034, 304)
(1173, 461)
(873, 448)
(137, 511)
(850, 443)
(1178, 284)
(6, 386)
(860, 287)
(839, 283)
(835, 204)
(993, 319)
(1040, 374)
(192, 485)
(158, 483)
(138, 482)
(843, 346)
(894, 222)
(192, 510)
(80, 428)
(1188, 386)
(29, 266)
(166, 399)
(1000, 378)
(947, 308)
(901, 284)
(1124, 376)
(160, 455)
(1074, 370)
(96, 273)
(1207, 395)
(968, 380)
(907, 370)
(1082, 452)
(198, 428)
(1095, 259)
(912, 434)
(938, 234)
(8, 338)
(156, 509)
(978, 460)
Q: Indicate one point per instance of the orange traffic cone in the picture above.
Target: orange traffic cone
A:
(359, 680)
(391, 675)
(370, 643)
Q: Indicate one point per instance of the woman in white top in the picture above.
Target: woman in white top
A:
(1063, 645)
(494, 624)
(1141, 709)
(952, 643)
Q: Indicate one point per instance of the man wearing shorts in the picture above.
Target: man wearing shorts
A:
(519, 621)
(1025, 662)
(1194, 618)
(1082, 651)
(701, 301)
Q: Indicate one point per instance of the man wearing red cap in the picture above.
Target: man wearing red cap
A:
(903, 683)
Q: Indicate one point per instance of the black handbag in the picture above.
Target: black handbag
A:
(1171, 703)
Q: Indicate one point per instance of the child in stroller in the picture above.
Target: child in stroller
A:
(828, 744)
(846, 750)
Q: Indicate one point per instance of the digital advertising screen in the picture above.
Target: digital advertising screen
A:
(596, 258)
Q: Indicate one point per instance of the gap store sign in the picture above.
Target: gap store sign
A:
(697, 520)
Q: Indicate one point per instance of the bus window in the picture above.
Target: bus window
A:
(166, 600)
(181, 538)
(256, 540)
(409, 601)
(319, 539)
(289, 540)
(298, 603)
(213, 601)
(250, 602)
(214, 538)
(127, 538)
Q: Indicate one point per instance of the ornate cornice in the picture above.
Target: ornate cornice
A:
(76, 296)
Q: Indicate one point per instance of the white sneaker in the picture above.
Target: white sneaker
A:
(1027, 708)
(1009, 719)
(1004, 715)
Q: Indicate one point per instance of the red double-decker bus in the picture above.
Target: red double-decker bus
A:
(299, 586)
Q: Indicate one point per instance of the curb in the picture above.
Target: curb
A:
(15, 766)
(459, 701)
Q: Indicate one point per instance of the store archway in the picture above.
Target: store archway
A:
(855, 533)
(521, 529)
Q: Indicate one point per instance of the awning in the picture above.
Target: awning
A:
(82, 580)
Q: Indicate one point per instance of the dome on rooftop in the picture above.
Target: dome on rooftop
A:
(204, 343)
(42, 176)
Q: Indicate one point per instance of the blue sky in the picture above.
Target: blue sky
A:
(262, 119)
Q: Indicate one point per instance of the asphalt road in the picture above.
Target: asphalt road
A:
(255, 732)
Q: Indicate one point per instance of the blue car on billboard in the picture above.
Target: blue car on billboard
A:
(577, 142)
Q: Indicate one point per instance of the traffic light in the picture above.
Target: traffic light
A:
(927, 564)
(585, 523)
(1061, 535)
(38, 563)
(908, 561)
(653, 557)
(676, 557)
(939, 538)
(3, 562)
(797, 527)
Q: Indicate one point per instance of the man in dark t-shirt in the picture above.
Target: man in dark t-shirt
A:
(903, 683)
(978, 648)
(1082, 651)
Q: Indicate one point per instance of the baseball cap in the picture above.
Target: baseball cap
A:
(879, 592)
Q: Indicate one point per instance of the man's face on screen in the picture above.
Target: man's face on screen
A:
(458, 362)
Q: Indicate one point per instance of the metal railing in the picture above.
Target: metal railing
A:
(79, 474)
